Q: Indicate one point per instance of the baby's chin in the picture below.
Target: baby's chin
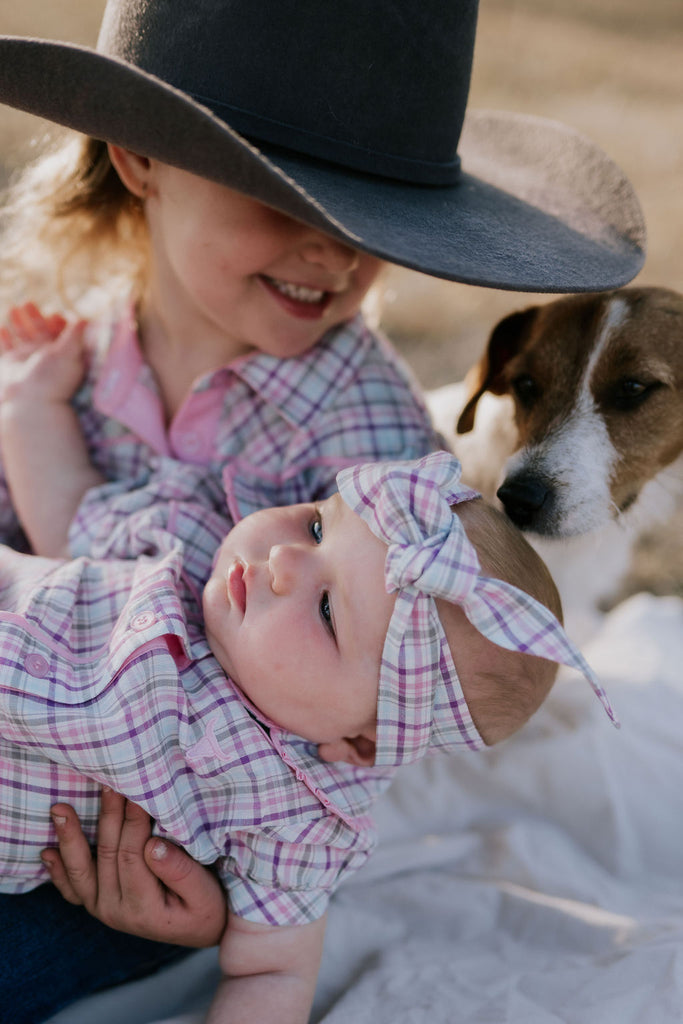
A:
(216, 647)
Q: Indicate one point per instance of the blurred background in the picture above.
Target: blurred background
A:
(613, 70)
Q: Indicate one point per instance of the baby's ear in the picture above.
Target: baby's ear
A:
(360, 750)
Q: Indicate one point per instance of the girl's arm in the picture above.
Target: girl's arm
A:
(46, 460)
(269, 973)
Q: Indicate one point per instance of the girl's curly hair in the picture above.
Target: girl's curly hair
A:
(70, 230)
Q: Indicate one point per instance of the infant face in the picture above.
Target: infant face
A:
(296, 613)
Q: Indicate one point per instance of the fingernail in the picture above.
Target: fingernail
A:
(59, 820)
(47, 863)
(159, 851)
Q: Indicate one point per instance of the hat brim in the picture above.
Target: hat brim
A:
(538, 207)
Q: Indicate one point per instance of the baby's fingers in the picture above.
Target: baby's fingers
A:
(55, 324)
(29, 324)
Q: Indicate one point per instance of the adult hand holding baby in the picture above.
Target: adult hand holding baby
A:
(137, 883)
(151, 888)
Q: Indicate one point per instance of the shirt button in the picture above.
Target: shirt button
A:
(142, 620)
(36, 665)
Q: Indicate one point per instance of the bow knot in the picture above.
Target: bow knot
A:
(408, 505)
(408, 565)
(440, 565)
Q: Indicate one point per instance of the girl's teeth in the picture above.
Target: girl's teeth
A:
(297, 291)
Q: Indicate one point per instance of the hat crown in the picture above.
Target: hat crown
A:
(379, 87)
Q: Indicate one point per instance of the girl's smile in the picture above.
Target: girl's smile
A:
(299, 299)
(234, 274)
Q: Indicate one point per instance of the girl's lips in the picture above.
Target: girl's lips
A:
(303, 308)
(237, 591)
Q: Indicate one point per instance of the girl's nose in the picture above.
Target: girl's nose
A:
(284, 564)
(327, 252)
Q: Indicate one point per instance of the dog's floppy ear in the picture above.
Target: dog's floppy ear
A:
(487, 374)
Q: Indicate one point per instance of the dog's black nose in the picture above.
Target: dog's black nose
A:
(522, 498)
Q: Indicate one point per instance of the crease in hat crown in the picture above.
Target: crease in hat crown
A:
(352, 117)
(229, 57)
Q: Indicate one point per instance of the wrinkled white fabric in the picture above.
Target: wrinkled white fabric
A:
(537, 882)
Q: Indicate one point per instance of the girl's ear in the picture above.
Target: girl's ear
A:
(360, 750)
(132, 169)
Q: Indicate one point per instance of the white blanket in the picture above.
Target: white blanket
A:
(538, 882)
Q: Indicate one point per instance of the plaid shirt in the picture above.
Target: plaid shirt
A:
(106, 678)
(284, 425)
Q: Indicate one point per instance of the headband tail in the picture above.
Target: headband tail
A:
(515, 620)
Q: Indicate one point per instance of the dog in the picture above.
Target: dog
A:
(572, 414)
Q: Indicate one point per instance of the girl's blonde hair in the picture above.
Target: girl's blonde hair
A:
(70, 231)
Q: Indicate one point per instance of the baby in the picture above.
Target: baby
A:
(253, 688)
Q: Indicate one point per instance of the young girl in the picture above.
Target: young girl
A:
(228, 209)
(258, 715)
(244, 349)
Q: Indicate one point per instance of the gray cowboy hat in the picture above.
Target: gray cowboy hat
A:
(350, 116)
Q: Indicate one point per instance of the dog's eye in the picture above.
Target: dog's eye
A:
(630, 392)
(525, 389)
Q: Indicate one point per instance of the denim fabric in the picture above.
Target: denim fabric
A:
(52, 953)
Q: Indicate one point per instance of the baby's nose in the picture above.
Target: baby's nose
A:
(283, 563)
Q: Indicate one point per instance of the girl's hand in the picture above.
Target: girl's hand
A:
(27, 323)
(41, 358)
(138, 883)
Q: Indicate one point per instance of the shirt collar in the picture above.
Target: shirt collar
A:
(298, 387)
(304, 385)
(344, 789)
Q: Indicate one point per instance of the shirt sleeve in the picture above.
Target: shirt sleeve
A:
(169, 503)
(285, 877)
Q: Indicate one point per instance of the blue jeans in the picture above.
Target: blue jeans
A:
(52, 953)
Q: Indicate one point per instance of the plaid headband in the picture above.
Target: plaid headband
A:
(421, 705)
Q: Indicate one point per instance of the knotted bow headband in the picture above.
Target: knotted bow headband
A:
(421, 704)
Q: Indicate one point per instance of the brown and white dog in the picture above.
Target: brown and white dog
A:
(590, 410)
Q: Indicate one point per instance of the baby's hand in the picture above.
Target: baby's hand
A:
(27, 323)
(41, 358)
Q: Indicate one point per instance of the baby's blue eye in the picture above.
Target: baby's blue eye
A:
(326, 612)
(317, 530)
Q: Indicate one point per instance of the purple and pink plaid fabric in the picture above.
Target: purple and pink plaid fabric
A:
(106, 678)
(271, 432)
(285, 425)
(421, 705)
